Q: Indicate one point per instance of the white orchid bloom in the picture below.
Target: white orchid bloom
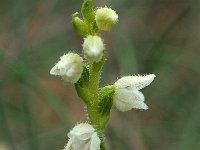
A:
(127, 94)
(70, 67)
(83, 137)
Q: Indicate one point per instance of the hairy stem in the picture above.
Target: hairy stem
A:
(93, 113)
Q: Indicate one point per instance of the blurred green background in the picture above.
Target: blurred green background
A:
(153, 36)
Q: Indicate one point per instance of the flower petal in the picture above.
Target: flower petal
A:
(134, 82)
(140, 105)
(69, 67)
(93, 47)
(69, 145)
(81, 144)
(125, 100)
(95, 142)
(55, 70)
(82, 131)
(83, 137)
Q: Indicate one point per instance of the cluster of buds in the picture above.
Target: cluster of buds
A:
(70, 66)
(85, 73)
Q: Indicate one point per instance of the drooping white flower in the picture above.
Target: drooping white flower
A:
(105, 18)
(70, 67)
(83, 137)
(127, 94)
(93, 48)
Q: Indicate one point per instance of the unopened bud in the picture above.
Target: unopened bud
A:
(80, 26)
(93, 48)
(105, 18)
(70, 67)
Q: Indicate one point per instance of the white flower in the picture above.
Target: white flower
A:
(83, 137)
(93, 48)
(105, 18)
(127, 94)
(70, 67)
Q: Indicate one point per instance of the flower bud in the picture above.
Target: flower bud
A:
(93, 48)
(70, 67)
(83, 137)
(79, 25)
(127, 94)
(105, 18)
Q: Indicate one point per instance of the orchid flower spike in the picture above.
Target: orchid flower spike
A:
(127, 94)
(83, 137)
(70, 67)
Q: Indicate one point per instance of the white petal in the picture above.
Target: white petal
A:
(125, 99)
(135, 82)
(82, 131)
(140, 105)
(122, 100)
(81, 144)
(83, 137)
(138, 96)
(55, 70)
(69, 67)
(93, 47)
(95, 142)
(69, 145)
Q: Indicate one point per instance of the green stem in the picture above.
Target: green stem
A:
(94, 80)
(103, 146)
(93, 113)
(94, 77)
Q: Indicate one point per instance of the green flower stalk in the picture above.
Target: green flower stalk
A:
(85, 73)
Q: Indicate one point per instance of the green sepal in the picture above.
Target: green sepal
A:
(88, 11)
(106, 100)
(80, 26)
(84, 80)
(97, 66)
(82, 85)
